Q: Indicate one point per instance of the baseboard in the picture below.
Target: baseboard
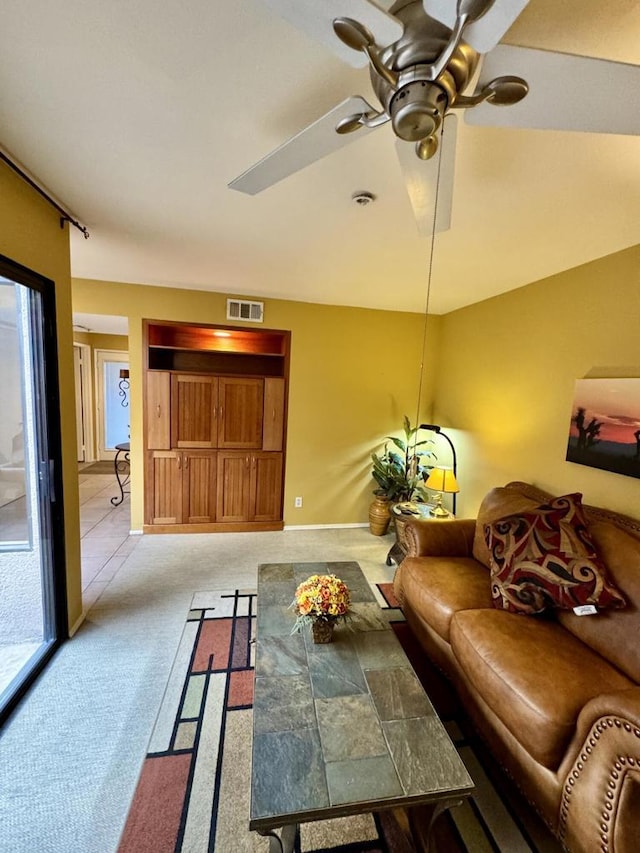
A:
(323, 526)
(136, 532)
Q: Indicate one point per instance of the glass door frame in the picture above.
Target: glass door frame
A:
(50, 491)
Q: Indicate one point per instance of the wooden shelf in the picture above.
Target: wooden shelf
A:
(230, 364)
(216, 339)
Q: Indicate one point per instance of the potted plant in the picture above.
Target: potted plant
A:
(400, 472)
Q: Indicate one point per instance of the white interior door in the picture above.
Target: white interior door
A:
(84, 419)
(113, 400)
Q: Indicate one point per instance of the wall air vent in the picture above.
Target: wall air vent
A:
(242, 309)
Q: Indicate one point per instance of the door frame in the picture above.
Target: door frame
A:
(54, 580)
(99, 360)
(84, 400)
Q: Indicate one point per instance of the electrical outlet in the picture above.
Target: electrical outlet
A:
(298, 503)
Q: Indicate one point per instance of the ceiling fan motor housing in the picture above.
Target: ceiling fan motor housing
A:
(419, 104)
(417, 110)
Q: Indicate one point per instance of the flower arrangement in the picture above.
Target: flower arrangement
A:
(323, 598)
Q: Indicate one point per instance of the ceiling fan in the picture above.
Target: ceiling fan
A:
(430, 58)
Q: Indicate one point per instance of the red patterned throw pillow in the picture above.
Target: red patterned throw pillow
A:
(544, 559)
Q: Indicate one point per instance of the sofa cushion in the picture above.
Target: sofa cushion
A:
(437, 587)
(545, 558)
(501, 501)
(614, 633)
(533, 674)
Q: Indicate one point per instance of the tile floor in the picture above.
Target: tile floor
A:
(104, 531)
(106, 543)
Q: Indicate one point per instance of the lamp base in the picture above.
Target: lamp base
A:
(438, 511)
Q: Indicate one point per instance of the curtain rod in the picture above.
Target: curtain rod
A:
(65, 216)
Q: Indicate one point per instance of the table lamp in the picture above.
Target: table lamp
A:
(441, 480)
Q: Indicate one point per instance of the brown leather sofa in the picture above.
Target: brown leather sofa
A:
(556, 698)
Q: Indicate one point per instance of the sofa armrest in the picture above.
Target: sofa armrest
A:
(600, 807)
(453, 538)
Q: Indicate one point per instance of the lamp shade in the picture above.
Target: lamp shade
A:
(442, 480)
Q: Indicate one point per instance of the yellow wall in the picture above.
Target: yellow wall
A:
(30, 234)
(508, 372)
(354, 374)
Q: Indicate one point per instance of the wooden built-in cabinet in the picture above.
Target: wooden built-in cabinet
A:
(214, 456)
(158, 411)
(183, 486)
(249, 486)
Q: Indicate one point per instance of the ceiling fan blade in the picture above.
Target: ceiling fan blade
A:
(311, 144)
(421, 179)
(485, 33)
(315, 18)
(566, 92)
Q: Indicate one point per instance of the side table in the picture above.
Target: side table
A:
(400, 514)
(122, 470)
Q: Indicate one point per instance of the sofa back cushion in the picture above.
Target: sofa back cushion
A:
(545, 559)
(614, 635)
(504, 500)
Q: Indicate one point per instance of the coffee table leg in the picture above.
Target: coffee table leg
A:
(417, 823)
(284, 842)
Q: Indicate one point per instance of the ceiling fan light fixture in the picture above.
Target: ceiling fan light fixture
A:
(417, 110)
(349, 124)
(505, 91)
(352, 33)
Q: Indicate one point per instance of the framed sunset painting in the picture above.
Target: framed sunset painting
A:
(605, 425)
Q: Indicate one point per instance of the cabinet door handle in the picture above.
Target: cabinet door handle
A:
(186, 462)
(274, 413)
(179, 461)
(158, 410)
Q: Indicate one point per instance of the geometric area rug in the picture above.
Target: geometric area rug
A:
(193, 794)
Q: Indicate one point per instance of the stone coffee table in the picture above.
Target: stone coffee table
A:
(341, 728)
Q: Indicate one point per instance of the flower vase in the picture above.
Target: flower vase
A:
(379, 516)
(322, 630)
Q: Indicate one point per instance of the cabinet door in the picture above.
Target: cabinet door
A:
(240, 410)
(158, 390)
(234, 486)
(266, 487)
(193, 410)
(164, 497)
(273, 421)
(199, 486)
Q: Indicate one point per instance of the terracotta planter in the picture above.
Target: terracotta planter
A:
(379, 516)
(322, 630)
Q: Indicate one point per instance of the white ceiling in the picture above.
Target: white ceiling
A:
(137, 115)
(100, 324)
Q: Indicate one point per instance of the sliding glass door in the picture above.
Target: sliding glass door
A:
(32, 588)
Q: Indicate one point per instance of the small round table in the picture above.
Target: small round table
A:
(400, 514)
(122, 470)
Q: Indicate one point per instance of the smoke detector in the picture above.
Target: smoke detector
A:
(363, 198)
